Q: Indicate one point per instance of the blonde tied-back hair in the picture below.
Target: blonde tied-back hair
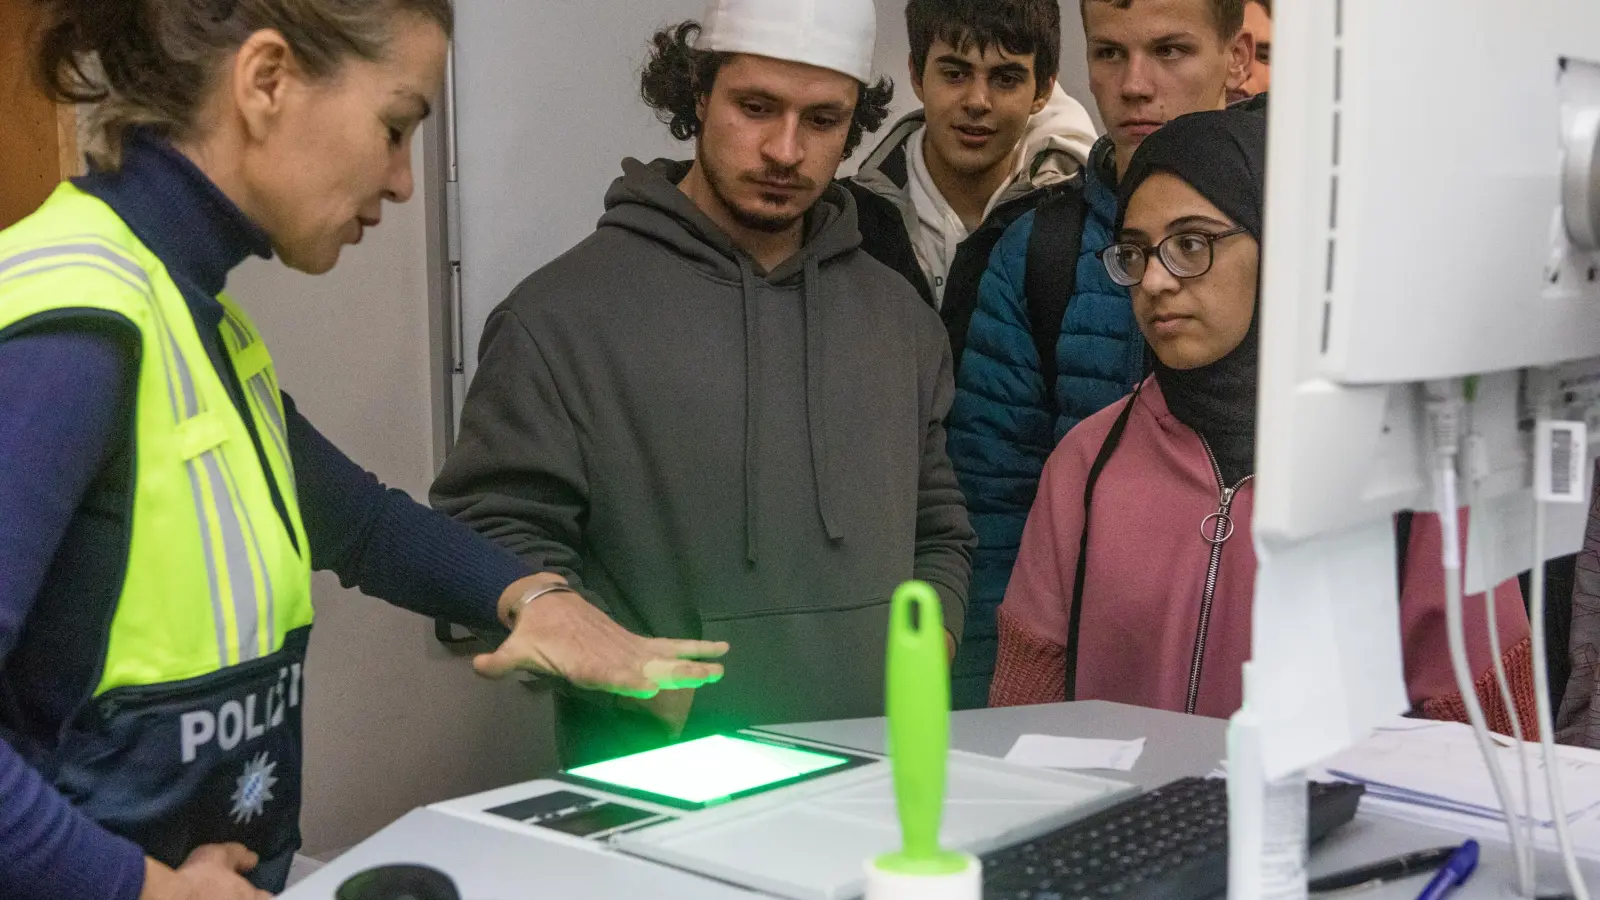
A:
(154, 62)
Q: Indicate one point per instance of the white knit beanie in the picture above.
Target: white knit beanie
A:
(829, 34)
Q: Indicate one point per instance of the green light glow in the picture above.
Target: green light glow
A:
(708, 769)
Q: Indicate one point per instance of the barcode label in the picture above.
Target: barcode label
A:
(1561, 449)
(1561, 461)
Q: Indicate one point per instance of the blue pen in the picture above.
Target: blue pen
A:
(1455, 873)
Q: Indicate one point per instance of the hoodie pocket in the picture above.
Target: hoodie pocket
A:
(797, 665)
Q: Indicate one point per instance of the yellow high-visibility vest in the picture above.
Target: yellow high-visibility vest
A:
(207, 641)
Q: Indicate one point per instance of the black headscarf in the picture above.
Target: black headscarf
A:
(1222, 155)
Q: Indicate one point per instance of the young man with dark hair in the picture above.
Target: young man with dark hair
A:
(1053, 339)
(694, 414)
(995, 130)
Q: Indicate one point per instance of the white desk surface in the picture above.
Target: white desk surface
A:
(491, 864)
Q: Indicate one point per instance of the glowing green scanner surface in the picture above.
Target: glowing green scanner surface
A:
(708, 769)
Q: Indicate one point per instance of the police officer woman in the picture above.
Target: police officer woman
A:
(162, 504)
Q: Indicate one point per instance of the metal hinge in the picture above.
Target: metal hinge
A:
(452, 206)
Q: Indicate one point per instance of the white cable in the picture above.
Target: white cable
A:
(1541, 686)
(1527, 865)
(1442, 403)
(1477, 472)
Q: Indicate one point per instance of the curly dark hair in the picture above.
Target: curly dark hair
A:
(678, 75)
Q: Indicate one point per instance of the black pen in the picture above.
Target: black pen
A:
(1384, 871)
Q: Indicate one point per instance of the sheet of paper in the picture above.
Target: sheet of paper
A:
(1326, 645)
(1431, 773)
(1043, 751)
(1585, 828)
(1440, 766)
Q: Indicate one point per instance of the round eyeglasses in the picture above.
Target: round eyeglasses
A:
(1187, 254)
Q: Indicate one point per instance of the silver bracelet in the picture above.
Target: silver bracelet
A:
(553, 589)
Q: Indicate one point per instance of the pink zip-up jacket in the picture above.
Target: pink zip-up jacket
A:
(1146, 584)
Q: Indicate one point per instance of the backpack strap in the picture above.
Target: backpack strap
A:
(1402, 544)
(1104, 456)
(884, 238)
(1052, 276)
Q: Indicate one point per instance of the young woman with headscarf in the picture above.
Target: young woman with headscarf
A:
(1150, 604)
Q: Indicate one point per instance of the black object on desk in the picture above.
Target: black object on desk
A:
(398, 882)
(1170, 843)
(1388, 870)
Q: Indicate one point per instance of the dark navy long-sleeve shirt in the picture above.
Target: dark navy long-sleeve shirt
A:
(67, 397)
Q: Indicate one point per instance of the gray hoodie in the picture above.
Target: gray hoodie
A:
(713, 451)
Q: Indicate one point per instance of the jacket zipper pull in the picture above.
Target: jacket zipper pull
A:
(1219, 523)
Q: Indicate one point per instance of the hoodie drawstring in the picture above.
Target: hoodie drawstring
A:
(812, 310)
(814, 368)
(752, 390)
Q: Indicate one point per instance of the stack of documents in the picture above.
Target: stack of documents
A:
(1432, 773)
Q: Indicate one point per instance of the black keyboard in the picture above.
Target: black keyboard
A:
(1170, 843)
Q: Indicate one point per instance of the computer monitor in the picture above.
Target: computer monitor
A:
(1432, 219)
(1431, 214)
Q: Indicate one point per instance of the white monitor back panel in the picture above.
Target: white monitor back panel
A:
(1416, 162)
(1414, 195)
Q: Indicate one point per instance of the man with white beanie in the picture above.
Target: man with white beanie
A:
(717, 415)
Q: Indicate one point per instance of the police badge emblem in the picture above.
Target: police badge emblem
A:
(254, 789)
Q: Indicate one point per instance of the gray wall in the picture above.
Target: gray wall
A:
(1074, 60)
(392, 719)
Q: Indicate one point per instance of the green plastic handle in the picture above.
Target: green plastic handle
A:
(918, 705)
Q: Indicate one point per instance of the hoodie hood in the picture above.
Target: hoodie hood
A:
(646, 201)
(1056, 145)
